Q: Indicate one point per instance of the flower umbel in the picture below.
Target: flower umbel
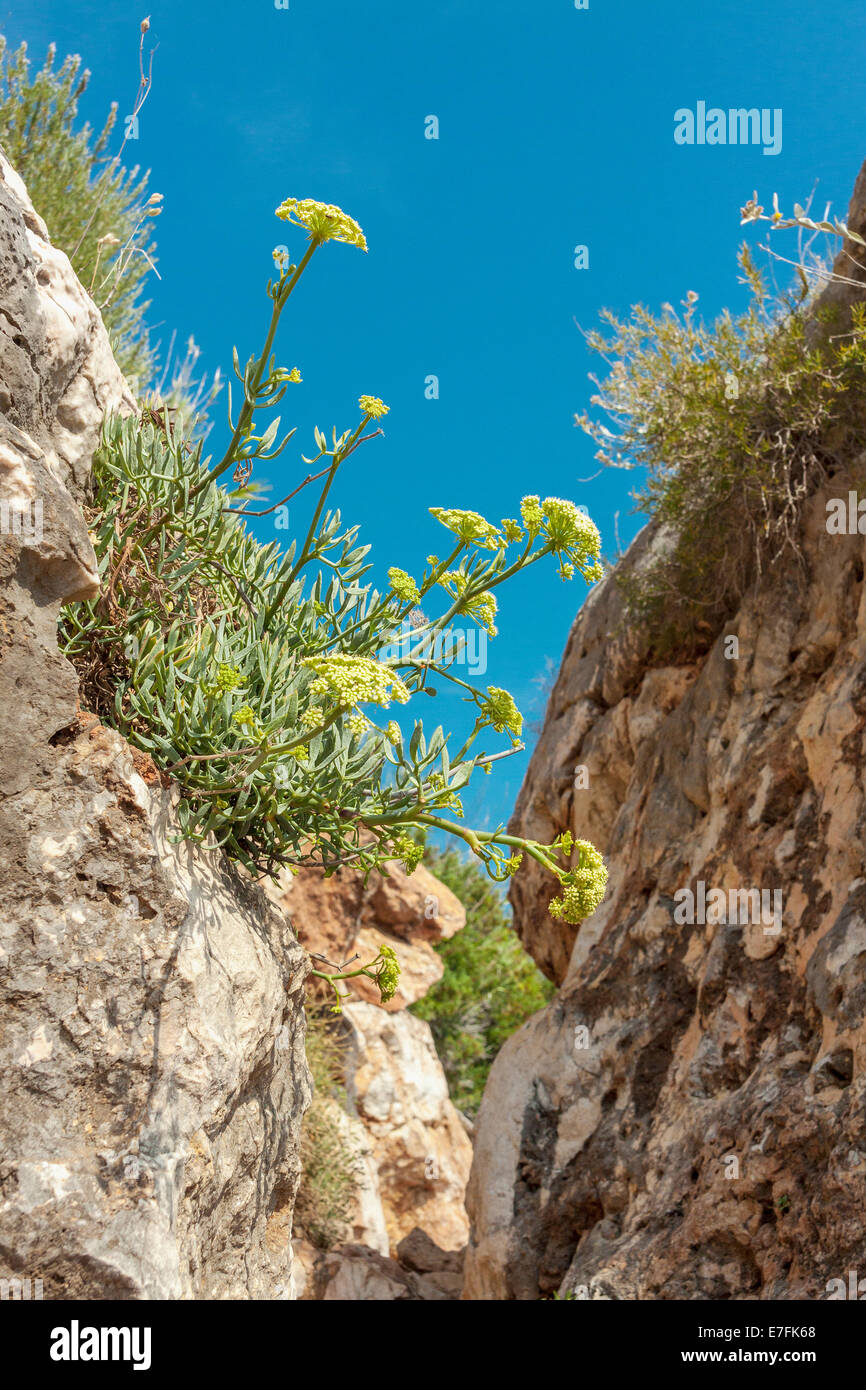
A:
(500, 710)
(481, 607)
(351, 680)
(409, 851)
(574, 536)
(468, 526)
(246, 718)
(372, 406)
(404, 585)
(323, 221)
(583, 888)
(313, 717)
(388, 976)
(530, 510)
(227, 678)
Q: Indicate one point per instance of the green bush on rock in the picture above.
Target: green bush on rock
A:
(253, 675)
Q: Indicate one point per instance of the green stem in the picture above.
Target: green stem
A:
(255, 382)
(306, 552)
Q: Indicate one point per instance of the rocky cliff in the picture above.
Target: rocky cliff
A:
(152, 996)
(409, 1226)
(687, 1119)
(152, 1034)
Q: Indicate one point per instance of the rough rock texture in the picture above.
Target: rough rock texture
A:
(687, 1119)
(421, 1150)
(57, 378)
(151, 999)
(416, 1152)
(355, 1273)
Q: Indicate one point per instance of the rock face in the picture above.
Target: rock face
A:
(416, 1151)
(687, 1119)
(421, 1273)
(419, 1145)
(151, 998)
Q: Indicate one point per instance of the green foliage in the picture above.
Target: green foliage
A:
(490, 986)
(74, 185)
(241, 668)
(736, 424)
(329, 1163)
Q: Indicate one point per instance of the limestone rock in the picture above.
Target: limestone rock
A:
(686, 1118)
(355, 1273)
(396, 1084)
(152, 998)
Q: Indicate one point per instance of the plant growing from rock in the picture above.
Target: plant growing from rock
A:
(96, 210)
(253, 675)
(331, 1164)
(735, 423)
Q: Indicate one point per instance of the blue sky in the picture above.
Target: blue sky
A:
(556, 130)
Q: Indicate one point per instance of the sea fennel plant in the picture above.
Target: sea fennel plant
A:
(254, 676)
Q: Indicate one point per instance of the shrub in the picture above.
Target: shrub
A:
(736, 424)
(90, 203)
(490, 986)
(241, 668)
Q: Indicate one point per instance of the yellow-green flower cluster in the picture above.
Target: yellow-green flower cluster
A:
(358, 724)
(393, 733)
(511, 530)
(469, 527)
(227, 678)
(481, 607)
(513, 864)
(388, 974)
(404, 585)
(573, 535)
(499, 710)
(372, 406)
(583, 887)
(313, 717)
(323, 221)
(352, 680)
(408, 852)
(284, 374)
(444, 799)
(533, 516)
(246, 718)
